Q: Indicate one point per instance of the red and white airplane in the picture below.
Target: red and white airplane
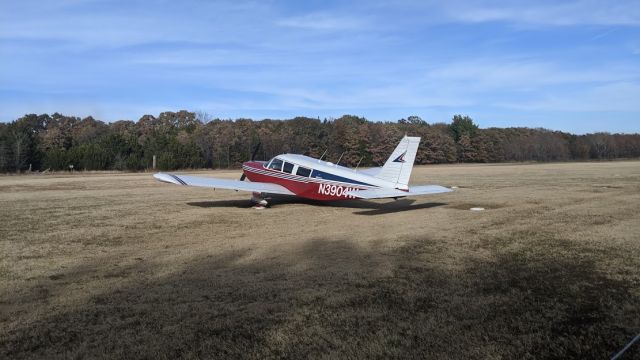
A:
(306, 177)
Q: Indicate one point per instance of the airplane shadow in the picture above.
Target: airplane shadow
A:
(390, 208)
(242, 204)
(367, 207)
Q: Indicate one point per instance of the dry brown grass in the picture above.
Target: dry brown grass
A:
(124, 266)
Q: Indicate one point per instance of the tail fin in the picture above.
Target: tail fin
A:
(398, 167)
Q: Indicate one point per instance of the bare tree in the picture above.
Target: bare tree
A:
(20, 149)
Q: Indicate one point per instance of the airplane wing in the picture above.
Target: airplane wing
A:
(394, 193)
(223, 183)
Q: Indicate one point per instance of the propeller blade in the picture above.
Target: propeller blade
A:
(255, 151)
(242, 177)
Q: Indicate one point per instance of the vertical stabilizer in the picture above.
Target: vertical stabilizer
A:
(398, 167)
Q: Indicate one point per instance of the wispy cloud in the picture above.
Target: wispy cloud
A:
(612, 97)
(557, 13)
(527, 74)
(325, 21)
(604, 33)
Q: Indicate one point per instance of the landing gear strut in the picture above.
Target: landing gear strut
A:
(258, 200)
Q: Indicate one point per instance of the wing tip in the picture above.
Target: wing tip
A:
(168, 178)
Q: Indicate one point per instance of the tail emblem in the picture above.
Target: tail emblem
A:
(400, 158)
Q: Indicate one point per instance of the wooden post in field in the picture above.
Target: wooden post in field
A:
(154, 162)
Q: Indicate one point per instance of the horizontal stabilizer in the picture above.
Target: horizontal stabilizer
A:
(223, 183)
(428, 189)
(394, 193)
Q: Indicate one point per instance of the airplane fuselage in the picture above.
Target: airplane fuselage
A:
(311, 178)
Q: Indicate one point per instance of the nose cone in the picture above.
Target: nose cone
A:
(246, 169)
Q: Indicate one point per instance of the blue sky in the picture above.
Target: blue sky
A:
(566, 65)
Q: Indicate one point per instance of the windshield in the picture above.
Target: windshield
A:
(275, 164)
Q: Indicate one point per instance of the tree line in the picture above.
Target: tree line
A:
(184, 139)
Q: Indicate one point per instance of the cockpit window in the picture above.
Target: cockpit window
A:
(287, 167)
(303, 171)
(276, 164)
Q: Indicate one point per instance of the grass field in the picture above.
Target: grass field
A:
(119, 265)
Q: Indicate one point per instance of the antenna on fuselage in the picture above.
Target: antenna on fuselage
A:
(359, 161)
(323, 154)
(340, 158)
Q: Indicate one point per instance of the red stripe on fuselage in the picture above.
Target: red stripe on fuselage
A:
(301, 186)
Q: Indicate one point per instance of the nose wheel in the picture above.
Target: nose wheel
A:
(259, 201)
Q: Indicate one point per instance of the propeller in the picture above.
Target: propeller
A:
(255, 151)
(253, 155)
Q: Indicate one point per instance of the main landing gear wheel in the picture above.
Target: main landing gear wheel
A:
(259, 201)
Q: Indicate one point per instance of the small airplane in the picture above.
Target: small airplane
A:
(310, 178)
